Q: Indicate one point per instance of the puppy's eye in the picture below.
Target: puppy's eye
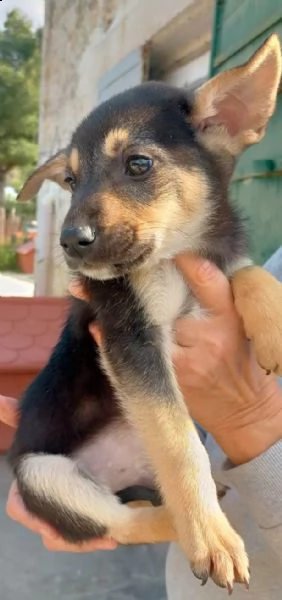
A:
(138, 165)
(70, 180)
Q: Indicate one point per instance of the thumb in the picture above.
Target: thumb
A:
(96, 333)
(8, 411)
(208, 283)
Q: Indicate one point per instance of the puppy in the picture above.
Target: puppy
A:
(149, 172)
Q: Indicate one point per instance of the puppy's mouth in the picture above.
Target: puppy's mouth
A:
(131, 261)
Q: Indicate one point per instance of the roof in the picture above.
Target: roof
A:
(29, 329)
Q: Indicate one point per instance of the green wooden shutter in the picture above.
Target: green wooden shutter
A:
(240, 27)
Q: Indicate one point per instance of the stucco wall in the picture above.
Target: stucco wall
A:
(84, 39)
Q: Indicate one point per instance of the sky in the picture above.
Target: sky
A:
(34, 9)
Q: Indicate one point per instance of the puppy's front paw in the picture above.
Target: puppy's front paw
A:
(220, 554)
(258, 299)
(268, 350)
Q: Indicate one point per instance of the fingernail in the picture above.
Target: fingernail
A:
(206, 270)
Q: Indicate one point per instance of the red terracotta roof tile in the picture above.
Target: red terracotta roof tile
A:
(15, 340)
(34, 327)
(48, 340)
(48, 311)
(28, 358)
(29, 329)
(18, 311)
(7, 356)
(5, 327)
(54, 326)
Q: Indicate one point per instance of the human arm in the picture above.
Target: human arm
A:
(232, 398)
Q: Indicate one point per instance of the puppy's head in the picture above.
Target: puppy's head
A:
(147, 168)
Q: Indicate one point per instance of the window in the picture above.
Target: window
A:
(130, 71)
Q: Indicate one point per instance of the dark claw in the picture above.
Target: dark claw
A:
(204, 580)
(202, 576)
(267, 371)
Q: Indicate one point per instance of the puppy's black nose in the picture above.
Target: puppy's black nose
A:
(77, 240)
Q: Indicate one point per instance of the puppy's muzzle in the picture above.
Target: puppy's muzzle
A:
(77, 242)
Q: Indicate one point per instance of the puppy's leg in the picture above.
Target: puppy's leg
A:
(143, 376)
(258, 300)
(145, 526)
(81, 508)
(58, 412)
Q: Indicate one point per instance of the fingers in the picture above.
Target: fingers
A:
(9, 411)
(17, 512)
(50, 538)
(207, 282)
(96, 333)
(59, 545)
(76, 289)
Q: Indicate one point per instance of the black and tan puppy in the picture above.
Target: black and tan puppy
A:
(149, 173)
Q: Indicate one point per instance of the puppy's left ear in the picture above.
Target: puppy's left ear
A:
(239, 102)
(53, 169)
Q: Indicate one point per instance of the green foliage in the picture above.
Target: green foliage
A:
(8, 259)
(25, 210)
(19, 93)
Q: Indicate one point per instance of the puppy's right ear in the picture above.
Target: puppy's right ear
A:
(53, 169)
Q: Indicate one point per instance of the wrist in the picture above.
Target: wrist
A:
(253, 431)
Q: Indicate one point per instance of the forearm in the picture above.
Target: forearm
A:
(259, 484)
(254, 466)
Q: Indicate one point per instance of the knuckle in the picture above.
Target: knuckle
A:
(218, 350)
(11, 508)
(49, 544)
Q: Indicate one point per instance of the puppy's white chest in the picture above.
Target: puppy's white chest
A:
(164, 294)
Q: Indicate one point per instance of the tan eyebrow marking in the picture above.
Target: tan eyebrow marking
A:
(114, 140)
(74, 160)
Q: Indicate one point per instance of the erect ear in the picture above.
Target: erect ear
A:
(239, 102)
(53, 169)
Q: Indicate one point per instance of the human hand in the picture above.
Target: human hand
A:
(17, 511)
(224, 388)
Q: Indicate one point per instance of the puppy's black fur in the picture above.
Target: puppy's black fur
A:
(50, 405)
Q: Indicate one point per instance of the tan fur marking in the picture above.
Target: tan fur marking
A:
(115, 212)
(74, 160)
(146, 526)
(218, 141)
(170, 212)
(115, 139)
(169, 207)
(258, 299)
